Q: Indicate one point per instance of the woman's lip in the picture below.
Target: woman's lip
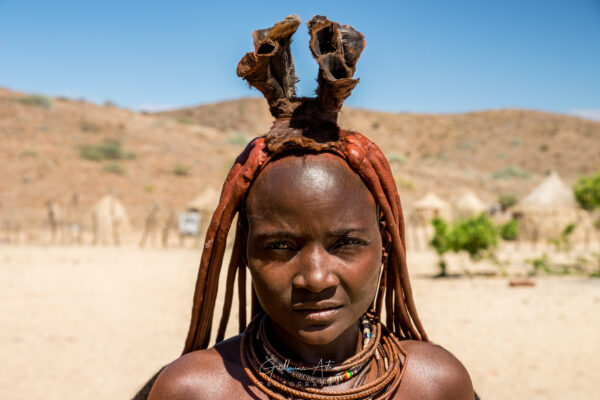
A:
(322, 314)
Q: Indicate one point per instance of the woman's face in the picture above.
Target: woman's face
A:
(314, 246)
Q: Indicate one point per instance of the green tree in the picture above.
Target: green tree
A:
(180, 170)
(108, 150)
(475, 235)
(563, 242)
(440, 242)
(509, 230)
(587, 192)
(507, 200)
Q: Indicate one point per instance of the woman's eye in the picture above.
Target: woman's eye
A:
(350, 242)
(278, 246)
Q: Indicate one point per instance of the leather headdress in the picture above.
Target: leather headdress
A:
(302, 124)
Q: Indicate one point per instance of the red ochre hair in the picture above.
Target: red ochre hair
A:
(302, 125)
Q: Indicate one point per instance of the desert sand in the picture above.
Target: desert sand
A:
(96, 322)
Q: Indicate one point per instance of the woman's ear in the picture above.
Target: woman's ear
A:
(385, 239)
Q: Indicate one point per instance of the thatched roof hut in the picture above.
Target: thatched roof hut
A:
(546, 211)
(552, 193)
(206, 202)
(432, 206)
(469, 204)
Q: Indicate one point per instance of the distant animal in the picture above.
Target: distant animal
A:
(151, 225)
(109, 220)
(54, 220)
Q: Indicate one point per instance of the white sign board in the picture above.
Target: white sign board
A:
(189, 223)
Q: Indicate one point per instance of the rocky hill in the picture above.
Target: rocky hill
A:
(53, 147)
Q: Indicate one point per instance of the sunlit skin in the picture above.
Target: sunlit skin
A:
(314, 251)
(314, 248)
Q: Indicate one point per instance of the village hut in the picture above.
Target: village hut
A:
(432, 206)
(206, 202)
(109, 220)
(545, 212)
(469, 205)
(419, 228)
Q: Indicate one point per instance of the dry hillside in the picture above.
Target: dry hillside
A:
(41, 156)
(171, 156)
(491, 152)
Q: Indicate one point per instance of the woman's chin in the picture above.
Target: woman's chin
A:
(319, 334)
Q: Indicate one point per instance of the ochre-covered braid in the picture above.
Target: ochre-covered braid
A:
(308, 126)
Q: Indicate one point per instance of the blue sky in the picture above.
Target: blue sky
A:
(421, 56)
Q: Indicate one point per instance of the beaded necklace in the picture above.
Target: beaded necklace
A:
(279, 377)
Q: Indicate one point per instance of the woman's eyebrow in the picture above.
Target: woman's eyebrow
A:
(275, 235)
(346, 231)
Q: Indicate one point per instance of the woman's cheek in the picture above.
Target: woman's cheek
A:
(367, 282)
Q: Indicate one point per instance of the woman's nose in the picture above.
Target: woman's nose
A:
(315, 272)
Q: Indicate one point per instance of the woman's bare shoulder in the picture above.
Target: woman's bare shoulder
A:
(432, 372)
(210, 373)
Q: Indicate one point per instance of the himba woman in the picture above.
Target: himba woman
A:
(320, 228)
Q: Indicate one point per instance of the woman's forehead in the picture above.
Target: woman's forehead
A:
(314, 178)
(319, 171)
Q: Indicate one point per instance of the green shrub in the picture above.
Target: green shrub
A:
(510, 172)
(396, 158)
(440, 242)
(440, 238)
(28, 153)
(180, 170)
(404, 182)
(464, 145)
(541, 264)
(507, 200)
(114, 168)
(36, 100)
(474, 235)
(237, 139)
(89, 127)
(109, 150)
(92, 153)
(563, 242)
(186, 120)
(443, 156)
(510, 230)
(587, 192)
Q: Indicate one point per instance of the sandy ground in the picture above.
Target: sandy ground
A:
(96, 322)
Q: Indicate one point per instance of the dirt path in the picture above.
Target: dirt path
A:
(94, 323)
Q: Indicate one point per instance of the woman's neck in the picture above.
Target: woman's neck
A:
(342, 348)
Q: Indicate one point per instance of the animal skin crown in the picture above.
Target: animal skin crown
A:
(270, 69)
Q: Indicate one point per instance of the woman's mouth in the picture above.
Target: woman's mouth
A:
(318, 314)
